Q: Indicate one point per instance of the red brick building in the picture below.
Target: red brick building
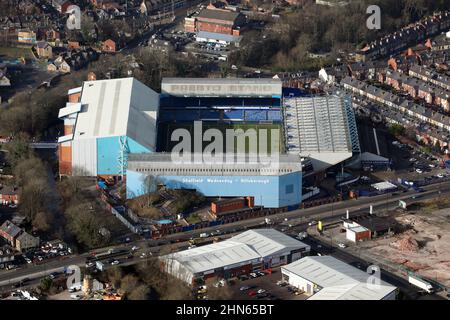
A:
(216, 20)
(9, 195)
(109, 46)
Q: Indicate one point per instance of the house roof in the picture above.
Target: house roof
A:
(10, 229)
(339, 280)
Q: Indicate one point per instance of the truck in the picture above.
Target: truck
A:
(100, 266)
(302, 235)
(422, 284)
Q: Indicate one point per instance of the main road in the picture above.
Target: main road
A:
(325, 212)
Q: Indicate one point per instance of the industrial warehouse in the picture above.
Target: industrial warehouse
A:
(327, 278)
(252, 250)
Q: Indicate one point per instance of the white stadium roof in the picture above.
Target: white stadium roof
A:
(317, 127)
(222, 87)
(267, 242)
(339, 280)
(116, 107)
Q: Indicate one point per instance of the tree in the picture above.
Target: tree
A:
(129, 283)
(42, 221)
(141, 292)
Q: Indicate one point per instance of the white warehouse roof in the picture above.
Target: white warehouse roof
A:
(216, 255)
(251, 245)
(117, 107)
(269, 242)
(339, 280)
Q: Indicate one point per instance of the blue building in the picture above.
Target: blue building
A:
(275, 186)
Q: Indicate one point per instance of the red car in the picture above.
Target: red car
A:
(252, 293)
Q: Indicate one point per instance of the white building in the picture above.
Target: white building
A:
(327, 278)
(241, 254)
(104, 121)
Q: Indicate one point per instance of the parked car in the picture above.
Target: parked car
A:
(244, 288)
(115, 262)
(342, 245)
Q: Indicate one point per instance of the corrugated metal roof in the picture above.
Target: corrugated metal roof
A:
(339, 280)
(241, 249)
(267, 242)
(117, 107)
(218, 36)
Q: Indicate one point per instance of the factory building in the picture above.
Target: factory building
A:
(104, 121)
(272, 186)
(327, 278)
(321, 128)
(253, 250)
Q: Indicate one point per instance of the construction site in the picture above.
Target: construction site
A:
(421, 247)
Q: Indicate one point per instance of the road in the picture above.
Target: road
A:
(328, 212)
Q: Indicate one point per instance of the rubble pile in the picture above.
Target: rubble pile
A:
(406, 243)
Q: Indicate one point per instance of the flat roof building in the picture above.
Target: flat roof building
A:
(327, 278)
(241, 254)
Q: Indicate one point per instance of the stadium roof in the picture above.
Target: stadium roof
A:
(162, 163)
(116, 107)
(267, 242)
(318, 127)
(339, 280)
(220, 87)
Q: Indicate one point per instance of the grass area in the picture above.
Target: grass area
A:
(193, 218)
(167, 130)
(12, 53)
(432, 205)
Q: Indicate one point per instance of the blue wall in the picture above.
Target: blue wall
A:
(269, 191)
(108, 151)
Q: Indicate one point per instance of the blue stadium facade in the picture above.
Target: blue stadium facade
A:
(268, 191)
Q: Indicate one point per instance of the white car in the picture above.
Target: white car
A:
(261, 291)
(75, 296)
(419, 171)
(312, 223)
(440, 175)
(134, 248)
(115, 262)
(342, 245)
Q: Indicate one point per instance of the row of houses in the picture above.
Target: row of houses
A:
(431, 76)
(394, 101)
(417, 88)
(403, 38)
(17, 237)
(74, 59)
